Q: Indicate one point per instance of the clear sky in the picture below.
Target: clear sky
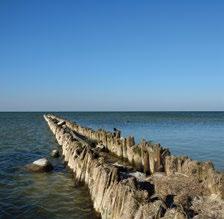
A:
(111, 55)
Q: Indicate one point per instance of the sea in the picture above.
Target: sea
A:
(25, 137)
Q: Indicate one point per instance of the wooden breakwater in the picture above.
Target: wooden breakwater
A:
(129, 180)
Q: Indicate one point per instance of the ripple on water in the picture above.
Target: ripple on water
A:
(25, 137)
(46, 196)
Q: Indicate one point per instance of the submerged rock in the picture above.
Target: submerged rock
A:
(40, 165)
(55, 153)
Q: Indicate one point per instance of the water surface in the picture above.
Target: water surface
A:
(25, 137)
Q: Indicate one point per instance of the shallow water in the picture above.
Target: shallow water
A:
(25, 137)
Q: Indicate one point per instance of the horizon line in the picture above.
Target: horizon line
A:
(103, 111)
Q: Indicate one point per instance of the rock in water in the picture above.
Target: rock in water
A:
(55, 153)
(41, 165)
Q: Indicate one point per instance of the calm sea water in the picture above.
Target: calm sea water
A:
(25, 137)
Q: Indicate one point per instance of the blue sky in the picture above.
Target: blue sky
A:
(111, 55)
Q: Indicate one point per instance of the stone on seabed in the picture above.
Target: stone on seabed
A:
(40, 165)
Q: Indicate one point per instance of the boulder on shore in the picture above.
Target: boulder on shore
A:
(55, 153)
(40, 165)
